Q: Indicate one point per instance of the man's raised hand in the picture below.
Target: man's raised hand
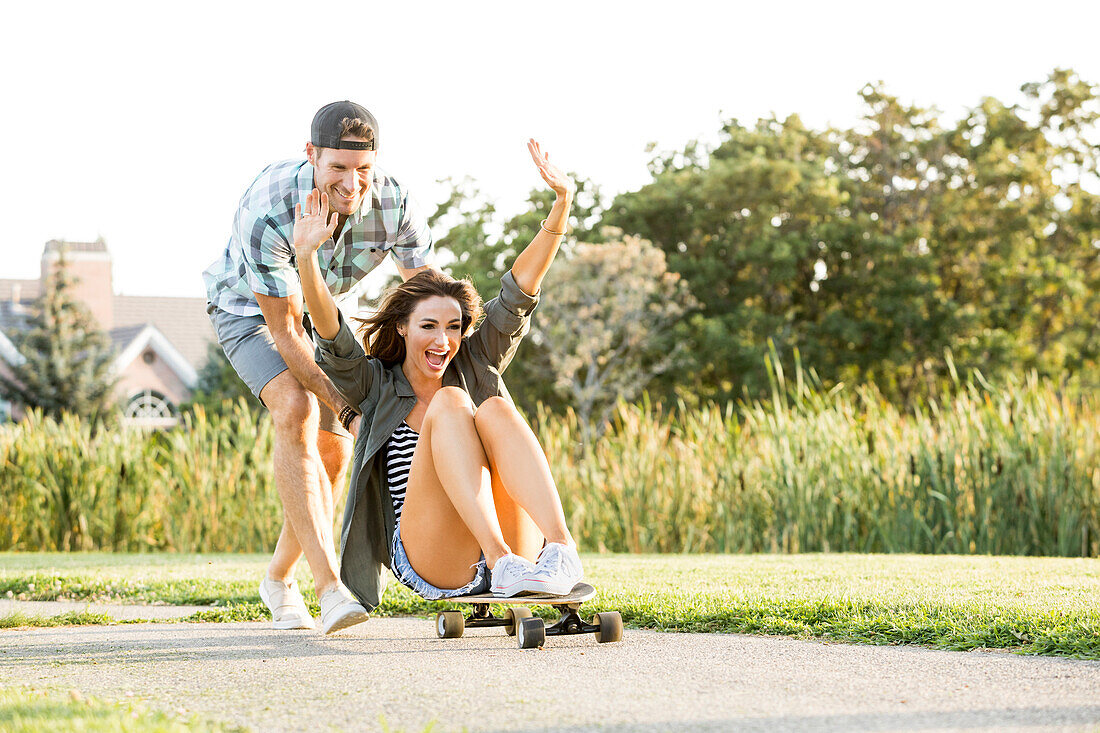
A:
(313, 225)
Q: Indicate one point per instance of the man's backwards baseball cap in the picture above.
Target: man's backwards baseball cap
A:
(328, 124)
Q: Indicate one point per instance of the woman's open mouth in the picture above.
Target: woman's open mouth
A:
(435, 359)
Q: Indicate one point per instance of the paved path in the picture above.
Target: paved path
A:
(116, 611)
(284, 681)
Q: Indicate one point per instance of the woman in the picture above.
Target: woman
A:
(449, 488)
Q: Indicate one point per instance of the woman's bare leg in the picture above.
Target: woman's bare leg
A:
(517, 459)
(449, 518)
(519, 531)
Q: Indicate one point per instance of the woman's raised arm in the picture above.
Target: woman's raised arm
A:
(313, 225)
(533, 262)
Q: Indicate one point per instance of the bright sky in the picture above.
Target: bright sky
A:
(143, 123)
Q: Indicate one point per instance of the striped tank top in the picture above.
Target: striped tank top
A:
(399, 456)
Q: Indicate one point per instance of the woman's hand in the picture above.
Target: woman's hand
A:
(312, 225)
(532, 263)
(555, 178)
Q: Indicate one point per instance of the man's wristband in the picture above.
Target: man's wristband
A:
(346, 416)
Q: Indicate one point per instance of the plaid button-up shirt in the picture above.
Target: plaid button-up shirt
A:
(260, 255)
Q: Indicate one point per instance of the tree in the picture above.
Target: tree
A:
(1019, 230)
(605, 328)
(874, 251)
(467, 217)
(68, 359)
(881, 317)
(743, 224)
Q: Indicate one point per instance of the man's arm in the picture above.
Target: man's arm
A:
(406, 273)
(412, 251)
(284, 318)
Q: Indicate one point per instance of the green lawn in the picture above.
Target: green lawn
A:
(1033, 605)
(27, 710)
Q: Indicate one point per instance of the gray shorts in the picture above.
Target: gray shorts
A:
(248, 343)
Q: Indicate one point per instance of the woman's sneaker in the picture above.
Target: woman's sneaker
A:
(288, 608)
(557, 571)
(340, 610)
(510, 576)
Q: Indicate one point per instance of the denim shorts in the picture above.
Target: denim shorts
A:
(403, 571)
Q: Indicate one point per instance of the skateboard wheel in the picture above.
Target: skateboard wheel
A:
(515, 617)
(449, 624)
(531, 633)
(611, 626)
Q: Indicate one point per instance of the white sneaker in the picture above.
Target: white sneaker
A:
(557, 571)
(340, 610)
(509, 575)
(288, 608)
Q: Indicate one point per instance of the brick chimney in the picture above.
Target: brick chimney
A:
(89, 263)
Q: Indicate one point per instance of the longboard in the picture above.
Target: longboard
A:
(529, 630)
(581, 592)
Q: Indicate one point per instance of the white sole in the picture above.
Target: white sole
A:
(532, 586)
(546, 590)
(509, 593)
(290, 624)
(350, 619)
(284, 624)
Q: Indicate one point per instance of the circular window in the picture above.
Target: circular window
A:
(148, 357)
(148, 404)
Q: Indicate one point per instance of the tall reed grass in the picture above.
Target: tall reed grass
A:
(1012, 470)
(206, 486)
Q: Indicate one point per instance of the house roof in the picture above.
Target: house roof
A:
(183, 321)
(121, 337)
(28, 289)
(128, 342)
(8, 352)
(56, 245)
(13, 316)
(131, 341)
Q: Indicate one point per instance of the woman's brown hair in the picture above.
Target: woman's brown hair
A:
(379, 332)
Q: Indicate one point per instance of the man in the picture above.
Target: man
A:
(255, 304)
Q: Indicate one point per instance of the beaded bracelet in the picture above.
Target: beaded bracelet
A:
(346, 416)
(550, 231)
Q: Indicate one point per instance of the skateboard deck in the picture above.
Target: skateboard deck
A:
(581, 592)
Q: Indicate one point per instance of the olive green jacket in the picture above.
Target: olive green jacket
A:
(384, 398)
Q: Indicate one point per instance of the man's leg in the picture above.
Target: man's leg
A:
(302, 476)
(302, 482)
(335, 452)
